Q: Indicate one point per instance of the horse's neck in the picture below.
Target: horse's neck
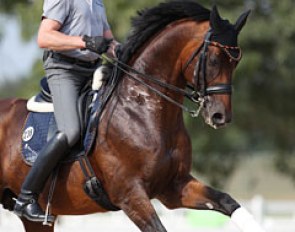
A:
(161, 58)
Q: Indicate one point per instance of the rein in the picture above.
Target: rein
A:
(188, 94)
(195, 95)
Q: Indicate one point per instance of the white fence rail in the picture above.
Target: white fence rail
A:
(275, 216)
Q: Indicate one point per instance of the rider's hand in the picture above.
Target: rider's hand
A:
(97, 44)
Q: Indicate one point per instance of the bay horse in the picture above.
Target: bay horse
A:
(143, 150)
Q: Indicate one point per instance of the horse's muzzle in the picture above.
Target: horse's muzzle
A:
(215, 113)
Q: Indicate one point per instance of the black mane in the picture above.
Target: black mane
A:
(150, 21)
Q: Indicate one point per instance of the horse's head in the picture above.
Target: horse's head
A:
(212, 79)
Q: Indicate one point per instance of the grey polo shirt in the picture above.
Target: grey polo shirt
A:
(78, 18)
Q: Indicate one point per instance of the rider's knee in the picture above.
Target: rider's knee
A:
(73, 136)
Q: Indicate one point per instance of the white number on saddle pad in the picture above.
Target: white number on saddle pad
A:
(28, 134)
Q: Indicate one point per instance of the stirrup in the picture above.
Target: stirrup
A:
(46, 221)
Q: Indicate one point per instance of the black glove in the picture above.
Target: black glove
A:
(97, 44)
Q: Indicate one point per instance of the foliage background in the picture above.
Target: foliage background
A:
(264, 94)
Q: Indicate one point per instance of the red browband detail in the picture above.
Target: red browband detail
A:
(226, 48)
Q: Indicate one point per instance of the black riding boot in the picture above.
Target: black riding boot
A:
(27, 203)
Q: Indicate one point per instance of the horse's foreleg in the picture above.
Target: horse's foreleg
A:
(194, 195)
(36, 226)
(139, 209)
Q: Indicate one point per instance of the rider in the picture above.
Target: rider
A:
(72, 32)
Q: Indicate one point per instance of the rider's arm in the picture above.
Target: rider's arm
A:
(50, 38)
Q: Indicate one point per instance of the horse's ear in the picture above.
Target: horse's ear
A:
(215, 19)
(241, 21)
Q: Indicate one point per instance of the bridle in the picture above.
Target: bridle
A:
(202, 89)
(195, 93)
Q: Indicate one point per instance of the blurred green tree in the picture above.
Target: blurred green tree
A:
(8, 6)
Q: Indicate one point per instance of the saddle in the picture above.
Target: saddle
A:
(40, 126)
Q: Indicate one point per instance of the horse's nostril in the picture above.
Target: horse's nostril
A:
(218, 118)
